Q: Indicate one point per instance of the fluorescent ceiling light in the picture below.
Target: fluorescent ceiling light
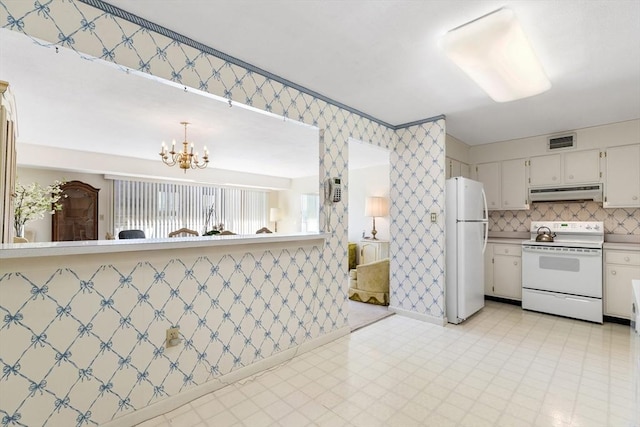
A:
(494, 51)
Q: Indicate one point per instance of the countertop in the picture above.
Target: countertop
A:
(625, 242)
(506, 237)
(28, 250)
(622, 246)
(505, 241)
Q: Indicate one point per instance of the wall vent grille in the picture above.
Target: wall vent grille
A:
(562, 142)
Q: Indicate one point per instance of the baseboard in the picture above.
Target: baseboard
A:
(618, 320)
(503, 300)
(440, 321)
(173, 402)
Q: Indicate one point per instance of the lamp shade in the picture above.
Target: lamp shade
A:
(274, 214)
(376, 207)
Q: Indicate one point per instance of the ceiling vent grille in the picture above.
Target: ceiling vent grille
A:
(562, 142)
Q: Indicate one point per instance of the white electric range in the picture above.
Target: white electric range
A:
(564, 277)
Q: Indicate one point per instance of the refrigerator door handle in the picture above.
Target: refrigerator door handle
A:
(486, 210)
(486, 221)
(486, 235)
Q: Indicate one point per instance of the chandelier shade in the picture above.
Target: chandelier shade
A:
(185, 159)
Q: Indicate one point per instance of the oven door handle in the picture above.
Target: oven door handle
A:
(560, 251)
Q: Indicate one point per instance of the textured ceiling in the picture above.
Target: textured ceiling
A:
(69, 102)
(378, 57)
(382, 57)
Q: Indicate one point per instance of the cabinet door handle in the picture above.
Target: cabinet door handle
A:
(506, 251)
(570, 176)
(515, 262)
(613, 273)
(553, 178)
(627, 258)
(634, 198)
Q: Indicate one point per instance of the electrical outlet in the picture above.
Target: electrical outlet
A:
(173, 337)
(434, 217)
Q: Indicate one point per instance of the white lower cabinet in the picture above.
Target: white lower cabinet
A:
(503, 271)
(488, 269)
(373, 250)
(620, 268)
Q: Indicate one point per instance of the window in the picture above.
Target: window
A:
(159, 208)
(309, 213)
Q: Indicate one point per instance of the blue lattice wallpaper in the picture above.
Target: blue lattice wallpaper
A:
(87, 339)
(417, 248)
(125, 379)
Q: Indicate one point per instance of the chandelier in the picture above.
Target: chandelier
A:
(186, 159)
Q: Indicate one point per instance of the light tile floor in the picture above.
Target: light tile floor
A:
(362, 314)
(502, 367)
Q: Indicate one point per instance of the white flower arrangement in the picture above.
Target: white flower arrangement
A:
(34, 201)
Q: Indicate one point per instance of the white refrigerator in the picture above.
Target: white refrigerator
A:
(466, 229)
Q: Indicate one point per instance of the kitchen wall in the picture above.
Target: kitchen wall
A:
(616, 221)
(417, 245)
(609, 135)
(457, 149)
(417, 282)
(365, 182)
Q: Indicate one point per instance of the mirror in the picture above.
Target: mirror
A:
(85, 116)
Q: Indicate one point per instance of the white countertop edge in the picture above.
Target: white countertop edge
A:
(31, 250)
(622, 246)
(635, 285)
(506, 240)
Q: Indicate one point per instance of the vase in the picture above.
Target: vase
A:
(19, 229)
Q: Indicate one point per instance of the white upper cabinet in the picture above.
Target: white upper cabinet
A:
(452, 168)
(576, 167)
(465, 170)
(622, 187)
(545, 170)
(514, 184)
(489, 175)
(455, 168)
(581, 167)
(504, 184)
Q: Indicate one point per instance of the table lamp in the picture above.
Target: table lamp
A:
(375, 207)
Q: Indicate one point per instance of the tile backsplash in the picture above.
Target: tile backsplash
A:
(616, 221)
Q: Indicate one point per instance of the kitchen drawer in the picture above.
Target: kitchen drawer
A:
(625, 258)
(512, 250)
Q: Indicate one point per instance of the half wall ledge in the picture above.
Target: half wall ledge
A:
(29, 250)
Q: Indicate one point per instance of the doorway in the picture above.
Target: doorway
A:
(369, 176)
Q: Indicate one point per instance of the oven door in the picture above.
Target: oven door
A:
(574, 271)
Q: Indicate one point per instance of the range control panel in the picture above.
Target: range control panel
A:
(570, 227)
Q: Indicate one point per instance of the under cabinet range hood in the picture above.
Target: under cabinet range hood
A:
(567, 193)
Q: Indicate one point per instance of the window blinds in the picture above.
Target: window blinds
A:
(158, 208)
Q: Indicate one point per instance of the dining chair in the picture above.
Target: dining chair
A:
(131, 234)
(184, 232)
(263, 230)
